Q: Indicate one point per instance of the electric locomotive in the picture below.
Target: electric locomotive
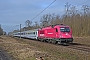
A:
(56, 34)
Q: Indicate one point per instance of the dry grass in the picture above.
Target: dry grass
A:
(30, 50)
(83, 40)
(20, 50)
(59, 52)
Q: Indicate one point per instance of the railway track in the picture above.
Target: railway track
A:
(80, 47)
(76, 46)
(70, 49)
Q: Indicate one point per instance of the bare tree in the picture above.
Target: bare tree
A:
(85, 9)
(67, 7)
(79, 21)
(73, 11)
(28, 23)
(45, 20)
(36, 24)
(1, 30)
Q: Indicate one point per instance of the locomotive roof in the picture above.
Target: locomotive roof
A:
(62, 25)
(53, 26)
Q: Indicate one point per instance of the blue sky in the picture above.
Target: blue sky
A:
(14, 12)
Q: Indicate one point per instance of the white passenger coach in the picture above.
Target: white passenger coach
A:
(32, 34)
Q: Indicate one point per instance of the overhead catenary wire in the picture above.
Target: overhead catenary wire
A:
(43, 10)
(51, 4)
(47, 7)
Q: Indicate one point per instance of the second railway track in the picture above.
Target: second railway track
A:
(81, 48)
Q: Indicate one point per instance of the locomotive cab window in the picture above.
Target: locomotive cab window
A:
(56, 30)
(64, 29)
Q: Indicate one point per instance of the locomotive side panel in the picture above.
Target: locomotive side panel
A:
(47, 33)
(50, 33)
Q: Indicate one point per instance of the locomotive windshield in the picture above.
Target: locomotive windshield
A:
(64, 29)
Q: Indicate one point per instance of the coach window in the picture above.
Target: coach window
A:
(56, 30)
(23, 33)
(26, 33)
(33, 32)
